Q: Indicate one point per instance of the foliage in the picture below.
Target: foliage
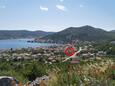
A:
(108, 47)
(84, 33)
(87, 72)
(6, 34)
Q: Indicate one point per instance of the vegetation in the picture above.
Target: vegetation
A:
(87, 72)
(13, 34)
(85, 33)
(23, 71)
(108, 47)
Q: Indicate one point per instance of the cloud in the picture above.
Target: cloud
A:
(61, 0)
(61, 7)
(43, 8)
(3, 7)
(81, 5)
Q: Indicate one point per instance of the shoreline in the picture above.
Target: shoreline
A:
(7, 44)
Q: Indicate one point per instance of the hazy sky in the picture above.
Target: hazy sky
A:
(56, 15)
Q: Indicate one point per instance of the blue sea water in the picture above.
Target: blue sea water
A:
(21, 43)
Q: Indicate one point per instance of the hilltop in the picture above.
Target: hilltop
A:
(84, 33)
(112, 31)
(12, 34)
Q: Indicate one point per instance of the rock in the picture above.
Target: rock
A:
(8, 81)
(40, 81)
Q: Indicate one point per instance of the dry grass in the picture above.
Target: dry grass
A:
(94, 72)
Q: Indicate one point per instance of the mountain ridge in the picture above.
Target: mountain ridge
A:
(13, 34)
(84, 33)
(112, 31)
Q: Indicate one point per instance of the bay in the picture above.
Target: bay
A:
(21, 43)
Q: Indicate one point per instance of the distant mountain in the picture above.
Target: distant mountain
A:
(112, 31)
(84, 33)
(11, 34)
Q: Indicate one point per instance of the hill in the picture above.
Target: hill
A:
(12, 34)
(84, 33)
(112, 31)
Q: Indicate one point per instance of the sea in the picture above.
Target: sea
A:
(21, 43)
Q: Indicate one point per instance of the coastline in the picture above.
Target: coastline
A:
(7, 44)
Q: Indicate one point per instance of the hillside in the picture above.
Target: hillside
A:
(11, 34)
(84, 33)
(112, 31)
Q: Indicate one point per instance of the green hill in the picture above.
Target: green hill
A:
(112, 31)
(84, 33)
(12, 34)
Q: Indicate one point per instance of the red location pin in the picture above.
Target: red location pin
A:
(69, 51)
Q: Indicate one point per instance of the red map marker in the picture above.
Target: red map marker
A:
(69, 51)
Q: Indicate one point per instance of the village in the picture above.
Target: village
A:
(48, 54)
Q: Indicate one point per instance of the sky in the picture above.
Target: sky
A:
(56, 15)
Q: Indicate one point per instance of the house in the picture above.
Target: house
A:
(100, 53)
